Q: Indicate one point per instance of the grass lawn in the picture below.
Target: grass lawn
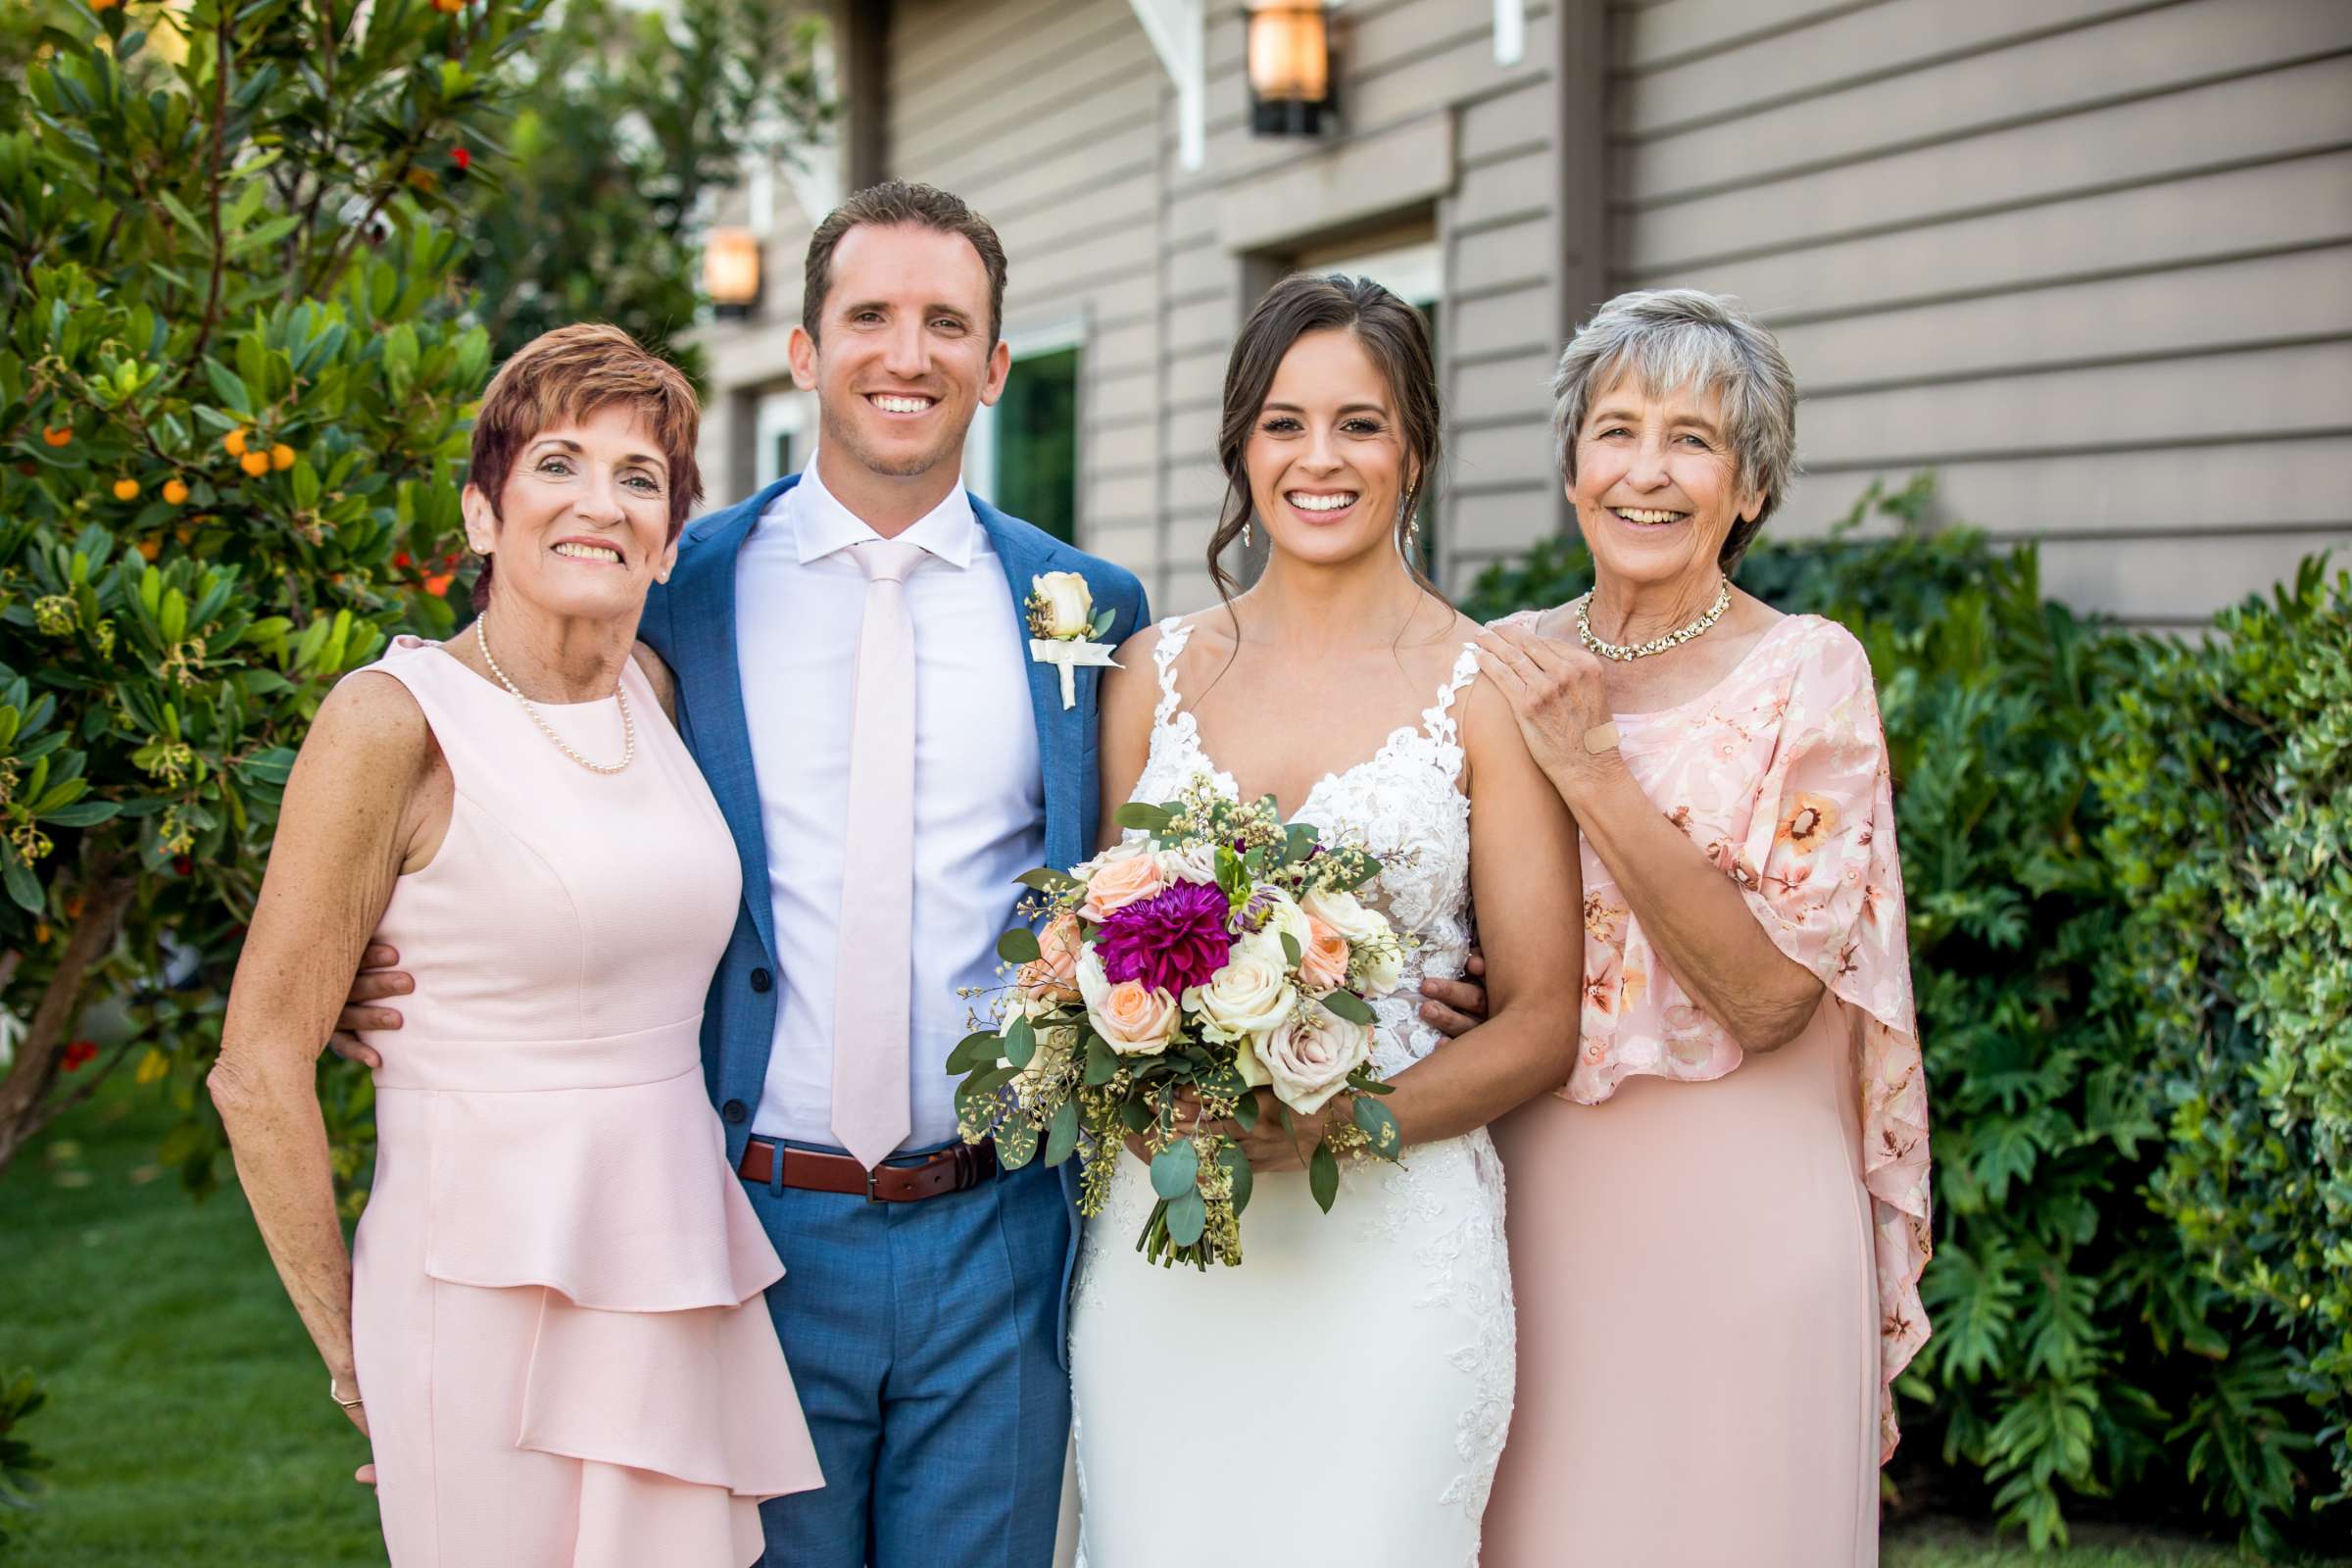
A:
(188, 1420)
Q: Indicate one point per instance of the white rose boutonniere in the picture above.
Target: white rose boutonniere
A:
(1063, 626)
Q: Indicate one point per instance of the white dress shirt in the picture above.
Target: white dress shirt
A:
(979, 790)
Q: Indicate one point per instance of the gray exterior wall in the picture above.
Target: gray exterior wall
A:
(2091, 260)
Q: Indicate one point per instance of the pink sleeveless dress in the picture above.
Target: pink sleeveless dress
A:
(557, 1295)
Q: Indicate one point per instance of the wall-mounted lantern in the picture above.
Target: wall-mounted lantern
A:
(731, 272)
(1290, 67)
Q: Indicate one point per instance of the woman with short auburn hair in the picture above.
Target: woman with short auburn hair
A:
(1717, 1225)
(553, 1300)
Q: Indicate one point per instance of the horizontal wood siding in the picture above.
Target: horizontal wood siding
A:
(1047, 115)
(2090, 261)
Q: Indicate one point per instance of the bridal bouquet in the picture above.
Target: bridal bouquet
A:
(1215, 950)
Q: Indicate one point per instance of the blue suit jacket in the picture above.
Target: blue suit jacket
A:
(690, 622)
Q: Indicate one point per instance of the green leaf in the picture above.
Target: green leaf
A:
(1245, 1112)
(1298, 842)
(981, 1047)
(1245, 1180)
(1292, 952)
(1175, 1169)
(1062, 1132)
(1146, 818)
(1387, 1140)
(1046, 880)
(1188, 1217)
(1016, 1142)
(1348, 1006)
(86, 813)
(22, 886)
(1018, 946)
(1020, 1042)
(1103, 621)
(1101, 1063)
(1323, 1177)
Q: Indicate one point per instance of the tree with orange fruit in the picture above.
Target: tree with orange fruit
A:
(235, 376)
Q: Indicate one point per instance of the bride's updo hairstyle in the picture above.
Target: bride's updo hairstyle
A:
(1391, 331)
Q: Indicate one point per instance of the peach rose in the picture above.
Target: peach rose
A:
(1053, 976)
(1132, 1021)
(1117, 883)
(1324, 963)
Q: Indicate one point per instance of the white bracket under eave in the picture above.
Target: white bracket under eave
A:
(1178, 31)
(1510, 31)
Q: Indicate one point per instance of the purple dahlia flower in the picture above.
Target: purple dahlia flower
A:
(1169, 940)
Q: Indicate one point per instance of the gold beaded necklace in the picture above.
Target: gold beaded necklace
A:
(1624, 651)
(628, 726)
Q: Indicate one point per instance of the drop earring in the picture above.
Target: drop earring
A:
(1244, 534)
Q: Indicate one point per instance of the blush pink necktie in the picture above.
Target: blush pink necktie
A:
(872, 983)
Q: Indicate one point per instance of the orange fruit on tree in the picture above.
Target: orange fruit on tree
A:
(57, 435)
(174, 491)
(150, 548)
(234, 441)
(281, 455)
(255, 464)
(127, 489)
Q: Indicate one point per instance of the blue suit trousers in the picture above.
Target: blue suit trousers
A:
(922, 1339)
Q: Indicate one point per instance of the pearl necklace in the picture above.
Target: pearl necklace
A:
(628, 726)
(1623, 653)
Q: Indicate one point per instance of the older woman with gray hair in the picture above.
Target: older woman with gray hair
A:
(1718, 1223)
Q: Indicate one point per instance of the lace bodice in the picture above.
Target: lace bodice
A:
(1403, 804)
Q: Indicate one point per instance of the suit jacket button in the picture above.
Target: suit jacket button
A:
(761, 981)
(733, 1110)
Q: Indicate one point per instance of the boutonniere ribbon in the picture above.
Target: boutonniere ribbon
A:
(1064, 627)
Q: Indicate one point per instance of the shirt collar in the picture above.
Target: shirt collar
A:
(821, 525)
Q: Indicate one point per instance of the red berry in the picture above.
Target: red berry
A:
(462, 159)
(79, 1051)
(183, 866)
(401, 560)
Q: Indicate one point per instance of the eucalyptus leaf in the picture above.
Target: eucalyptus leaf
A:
(1101, 1063)
(1388, 1141)
(980, 1048)
(1020, 1042)
(1187, 1217)
(1018, 946)
(1175, 1169)
(1062, 1132)
(1016, 1143)
(1143, 817)
(1348, 1006)
(1323, 1177)
(1236, 1165)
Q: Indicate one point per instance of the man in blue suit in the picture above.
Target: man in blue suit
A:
(921, 1306)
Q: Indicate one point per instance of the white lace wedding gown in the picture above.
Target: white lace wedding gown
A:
(1342, 1396)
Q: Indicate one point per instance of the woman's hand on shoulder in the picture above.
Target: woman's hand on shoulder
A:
(664, 684)
(1556, 697)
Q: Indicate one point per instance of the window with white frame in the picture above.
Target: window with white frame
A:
(1022, 453)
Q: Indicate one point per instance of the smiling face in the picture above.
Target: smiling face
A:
(1657, 487)
(582, 525)
(901, 359)
(1327, 463)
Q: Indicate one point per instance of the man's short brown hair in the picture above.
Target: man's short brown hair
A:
(894, 202)
(570, 374)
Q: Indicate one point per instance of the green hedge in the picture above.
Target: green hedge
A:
(2088, 1357)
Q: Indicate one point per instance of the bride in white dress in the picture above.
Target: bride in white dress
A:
(1344, 1395)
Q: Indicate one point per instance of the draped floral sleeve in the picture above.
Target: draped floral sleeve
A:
(1819, 869)
(1780, 777)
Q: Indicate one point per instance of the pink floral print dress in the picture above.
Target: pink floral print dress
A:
(1718, 1253)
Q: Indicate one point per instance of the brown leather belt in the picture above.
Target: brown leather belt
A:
(954, 1169)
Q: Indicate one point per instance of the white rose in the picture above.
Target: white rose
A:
(1310, 1058)
(1379, 965)
(1345, 914)
(1274, 912)
(1195, 862)
(1249, 995)
(1069, 604)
